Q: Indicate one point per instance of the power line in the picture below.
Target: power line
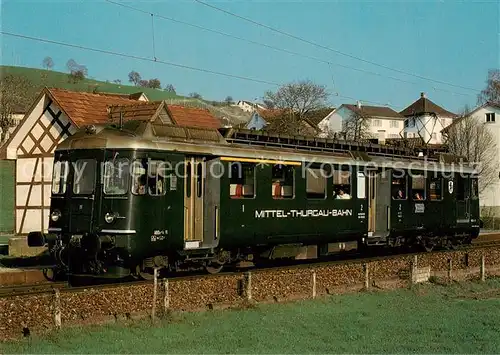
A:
(329, 63)
(332, 49)
(146, 59)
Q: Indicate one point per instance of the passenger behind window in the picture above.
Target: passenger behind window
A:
(341, 195)
(399, 195)
(140, 185)
(417, 196)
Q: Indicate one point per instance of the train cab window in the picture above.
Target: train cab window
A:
(399, 188)
(156, 177)
(60, 177)
(436, 189)
(84, 176)
(316, 183)
(475, 188)
(242, 180)
(341, 184)
(116, 176)
(139, 178)
(283, 181)
(418, 187)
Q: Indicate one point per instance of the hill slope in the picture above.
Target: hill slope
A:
(41, 77)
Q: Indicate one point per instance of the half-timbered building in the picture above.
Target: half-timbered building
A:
(55, 115)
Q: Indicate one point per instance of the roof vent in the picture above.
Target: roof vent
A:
(422, 95)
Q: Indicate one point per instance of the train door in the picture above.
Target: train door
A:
(379, 196)
(194, 190)
(463, 199)
(372, 185)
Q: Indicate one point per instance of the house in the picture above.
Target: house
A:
(382, 122)
(426, 120)
(55, 115)
(248, 106)
(489, 115)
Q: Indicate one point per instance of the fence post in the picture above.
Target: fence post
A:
(57, 308)
(483, 269)
(367, 276)
(249, 285)
(166, 298)
(450, 264)
(413, 270)
(314, 284)
(153, 309)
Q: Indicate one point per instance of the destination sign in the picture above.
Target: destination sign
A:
(302, 213)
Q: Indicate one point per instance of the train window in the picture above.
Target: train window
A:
(283, 181)
(461, 188)
(139, 178)
(418, 187)
(361, 185)
(399, 186)
(156, 177)
(341, 184)
(59, 177)
(116, 176)
(84, 176)
(316, 183)
(242, 180)
(475, 188)
(199, 179)
(436, 189)
(188, 180)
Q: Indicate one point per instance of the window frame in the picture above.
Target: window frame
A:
(490, 117)
(405, 177)
(341, 171)
(148, 187)
(63, 186)
(93, 181)
(441, 181)
(360, 176)
(132, 181)
(103, 174)
(254, 178)
(474, 193)
(422, 175)
(325, 184)
(282, 197)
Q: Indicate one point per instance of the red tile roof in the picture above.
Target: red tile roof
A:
(139, 111)
(193, 117)
(86, 108)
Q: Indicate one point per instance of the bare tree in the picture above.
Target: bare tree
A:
(15, 95)
(492, 91)
(134, 77)
(356, 127)
(299, 97)
(77, 72)
(117, 81)
(48, 63)
(170, 88)
(472, 140)
(269, 104)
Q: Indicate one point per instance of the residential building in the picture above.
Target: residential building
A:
(381, 122)
(248, 106)
(424, 119)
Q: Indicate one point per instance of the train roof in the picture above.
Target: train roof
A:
(250, 144)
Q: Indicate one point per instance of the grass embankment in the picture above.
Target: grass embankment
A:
(428, 319)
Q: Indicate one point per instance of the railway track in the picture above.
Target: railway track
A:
(283, 265)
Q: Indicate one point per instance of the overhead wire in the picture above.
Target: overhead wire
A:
(332, 49)
(329, 63)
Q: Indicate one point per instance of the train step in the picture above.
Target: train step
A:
(376, 240)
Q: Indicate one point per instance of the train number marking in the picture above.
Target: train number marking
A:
(419, 208)
(159, 235)
(450, 186)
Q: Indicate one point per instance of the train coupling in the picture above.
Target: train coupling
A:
(40, 239)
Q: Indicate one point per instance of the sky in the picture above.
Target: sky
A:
(454, 42)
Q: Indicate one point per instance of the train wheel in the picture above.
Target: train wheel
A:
(214, 267)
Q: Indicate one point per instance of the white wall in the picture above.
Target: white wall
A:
(427, 127)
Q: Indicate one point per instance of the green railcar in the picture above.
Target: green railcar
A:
(132, 198)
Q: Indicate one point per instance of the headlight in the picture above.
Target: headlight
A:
(55, 215)
(109, 217)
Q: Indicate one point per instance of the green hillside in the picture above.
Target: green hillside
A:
(41, 77)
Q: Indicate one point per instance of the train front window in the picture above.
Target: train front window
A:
(156, 177)
(139, 179)
(418, 187)
(60, 177)
(116, 176)
(84, 176)
(283, 177)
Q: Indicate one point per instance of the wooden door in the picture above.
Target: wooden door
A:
(194, 191)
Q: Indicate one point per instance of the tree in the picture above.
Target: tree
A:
(77, 72)
(269, 104)
(143, 83)
(492, 91)
(228, 100)
(15, 95)
(154, 83)
(117, 81)
(48, 63)
(195, 95)
(170, 88)
(300, 97)
(356, 127)
(469, 138)
(134, 77)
